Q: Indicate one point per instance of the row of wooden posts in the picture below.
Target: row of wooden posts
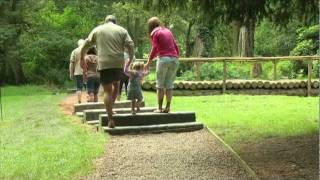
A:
(225, 60)
(235, 84)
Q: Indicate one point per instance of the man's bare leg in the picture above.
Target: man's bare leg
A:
(79, 96)
(115, 90)
(108, 101)
(168, 98)
(160, 93)
(91, 97)
(95, 98)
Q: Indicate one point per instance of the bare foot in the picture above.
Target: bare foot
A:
(158, 111)
(133, 112)
(167, 110)
(111, 123)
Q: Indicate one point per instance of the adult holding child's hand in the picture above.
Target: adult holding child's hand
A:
(164, 46)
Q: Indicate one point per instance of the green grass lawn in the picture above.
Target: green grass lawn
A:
(244, 118)
(38, 142)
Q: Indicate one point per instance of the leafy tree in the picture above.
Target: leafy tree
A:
(53, 33)
(307, 44)
(274, 41)
(12, 26)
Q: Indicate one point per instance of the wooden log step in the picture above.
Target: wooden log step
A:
(100, 105)
(93, 122)
(141, 119)
(173, 127)
(93, 114)
(71, 91)
(79, 114)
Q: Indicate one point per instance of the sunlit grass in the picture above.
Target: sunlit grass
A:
(243, 118)
(38, 142)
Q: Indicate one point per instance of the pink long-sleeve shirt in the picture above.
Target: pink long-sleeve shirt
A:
(163, 43)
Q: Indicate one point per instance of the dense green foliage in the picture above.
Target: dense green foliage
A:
(37, 141)
(37, 37)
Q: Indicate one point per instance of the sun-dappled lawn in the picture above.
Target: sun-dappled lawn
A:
(243, 118)
(38, 142)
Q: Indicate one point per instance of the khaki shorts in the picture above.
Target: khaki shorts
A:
(166, 72)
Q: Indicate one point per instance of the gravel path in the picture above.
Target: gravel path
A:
(191, 155)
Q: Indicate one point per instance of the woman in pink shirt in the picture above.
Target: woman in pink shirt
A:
(164, 46)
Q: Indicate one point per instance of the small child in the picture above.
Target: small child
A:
(136, 75)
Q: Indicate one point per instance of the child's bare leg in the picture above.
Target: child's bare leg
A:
(133, 104)
(138, 105)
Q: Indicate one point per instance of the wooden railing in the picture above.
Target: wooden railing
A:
(198, 60)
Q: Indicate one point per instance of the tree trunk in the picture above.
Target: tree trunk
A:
(188, 34)
(246, 45)
(202, 46)
(138, 38)
(12, 63)
(198, 47)
(235, 37)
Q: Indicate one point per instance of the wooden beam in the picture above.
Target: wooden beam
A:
(252, 59)
(309, 78)
(224, 76)
(198, 74)
(274, 63)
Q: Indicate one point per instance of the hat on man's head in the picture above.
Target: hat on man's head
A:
(111, 18)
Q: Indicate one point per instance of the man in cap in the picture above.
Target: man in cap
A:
(111, 40)
(75, 70)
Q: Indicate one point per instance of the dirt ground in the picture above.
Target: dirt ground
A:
(288, 158)
(273, 158)
(67, 104)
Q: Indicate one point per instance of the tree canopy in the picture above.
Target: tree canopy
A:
(37, 37)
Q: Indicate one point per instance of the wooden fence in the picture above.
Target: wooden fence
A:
(197, 61)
